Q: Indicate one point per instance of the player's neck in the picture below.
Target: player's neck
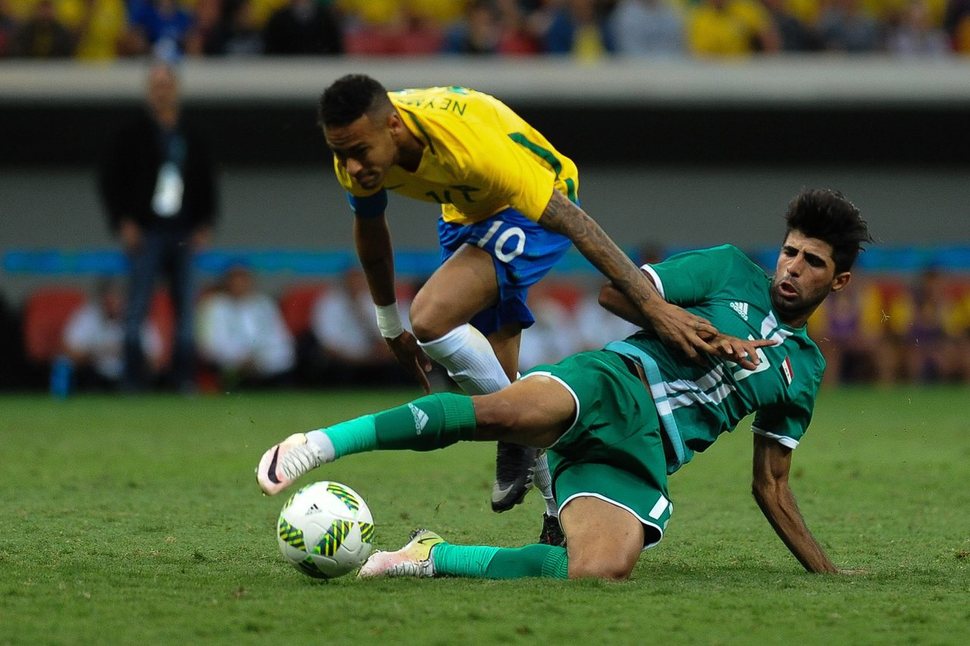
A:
(410, 151)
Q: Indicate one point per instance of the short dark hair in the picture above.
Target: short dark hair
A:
(828, 215)
(349, 98)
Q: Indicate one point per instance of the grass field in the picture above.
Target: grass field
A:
(137, 520)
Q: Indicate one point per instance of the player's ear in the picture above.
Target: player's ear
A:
(841, 280)
(394, 122)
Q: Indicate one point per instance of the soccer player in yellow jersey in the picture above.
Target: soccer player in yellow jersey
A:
(508, 211)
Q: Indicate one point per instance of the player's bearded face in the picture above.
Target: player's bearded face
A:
(364, 148)
(804, 276)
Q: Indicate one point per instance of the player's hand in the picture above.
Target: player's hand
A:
(410, 355)
(743, 352)
(683, 331)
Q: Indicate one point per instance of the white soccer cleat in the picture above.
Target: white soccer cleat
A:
(414, 559)
(286, 462)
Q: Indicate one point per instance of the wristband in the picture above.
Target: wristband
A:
(389, 321)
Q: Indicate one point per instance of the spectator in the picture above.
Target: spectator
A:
(934, 331)
(492, 27)
(517, 38)
(42, 35)
(303, 27)
(844, 26)
(796, 35)
(242, 334)
(653, 28)
(850, 330)
(158, 185)
(347, 346)
(730, 28)
(574, 27)
(553, 336)
(160, 26)
(94, 340)
(915, 35)
(597, 326)
(8, 29)
(237, 32)
(479, 33)
(956, 22)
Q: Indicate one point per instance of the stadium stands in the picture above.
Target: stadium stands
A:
(585, 29)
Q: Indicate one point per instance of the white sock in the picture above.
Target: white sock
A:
(471, 362)
(542, 480)
(469, 359)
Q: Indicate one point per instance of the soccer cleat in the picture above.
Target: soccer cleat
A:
(286, 462)
(551, 533)
(514, 465)
(414, 559)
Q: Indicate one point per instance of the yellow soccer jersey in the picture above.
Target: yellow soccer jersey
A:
(479, 157)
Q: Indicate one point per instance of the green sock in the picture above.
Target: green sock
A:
(484, 562)
(428, 423)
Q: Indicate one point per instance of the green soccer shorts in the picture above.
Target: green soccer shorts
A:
(614, 449)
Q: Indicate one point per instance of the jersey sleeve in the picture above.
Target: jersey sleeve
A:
(694, 276)
(786, 423)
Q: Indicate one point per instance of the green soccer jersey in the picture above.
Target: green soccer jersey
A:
(696, 402)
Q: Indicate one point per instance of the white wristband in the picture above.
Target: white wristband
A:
(389, 321)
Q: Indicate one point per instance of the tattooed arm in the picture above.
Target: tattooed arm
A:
(676, 326)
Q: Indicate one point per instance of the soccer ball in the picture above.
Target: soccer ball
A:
(325, 530)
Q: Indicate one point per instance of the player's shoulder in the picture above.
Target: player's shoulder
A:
(731, 256)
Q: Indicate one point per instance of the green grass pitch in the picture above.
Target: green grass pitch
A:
(137, 520)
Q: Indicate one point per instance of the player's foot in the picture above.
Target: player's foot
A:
(514, 465)
(414, 559)
(286, 462)
(551, 533)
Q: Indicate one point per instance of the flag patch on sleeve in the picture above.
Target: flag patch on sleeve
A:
(786, 371)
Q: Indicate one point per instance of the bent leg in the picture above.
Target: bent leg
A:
(534, 411)
(463, 286)
(604, 541)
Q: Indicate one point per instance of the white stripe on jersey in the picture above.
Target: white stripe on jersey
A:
(784, 440)
(709, 389)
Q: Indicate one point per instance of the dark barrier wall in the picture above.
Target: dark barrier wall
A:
(254, 133)
(795, 110)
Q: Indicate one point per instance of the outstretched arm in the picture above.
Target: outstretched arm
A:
(676, 326)
(744, 352)
(772, 462)
(373, 243)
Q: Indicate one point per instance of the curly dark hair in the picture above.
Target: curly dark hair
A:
(828, 215)
(349, 98)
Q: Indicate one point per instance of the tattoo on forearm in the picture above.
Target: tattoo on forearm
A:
(591, 240)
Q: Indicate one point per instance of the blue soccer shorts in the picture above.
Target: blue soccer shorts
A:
(522, 252)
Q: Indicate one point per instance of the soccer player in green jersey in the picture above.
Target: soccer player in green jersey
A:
(618, 421)
(508, 209)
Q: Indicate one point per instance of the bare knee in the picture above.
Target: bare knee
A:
(431, 319)
(600, 566)
(423, 321)
(496, 417)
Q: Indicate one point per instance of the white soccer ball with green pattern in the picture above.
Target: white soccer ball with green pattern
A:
(325, 530)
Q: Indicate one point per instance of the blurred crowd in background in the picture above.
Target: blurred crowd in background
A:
(886, 329)
(102, 30)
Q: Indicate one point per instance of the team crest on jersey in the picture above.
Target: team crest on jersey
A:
(740, 308)
(786, 371)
